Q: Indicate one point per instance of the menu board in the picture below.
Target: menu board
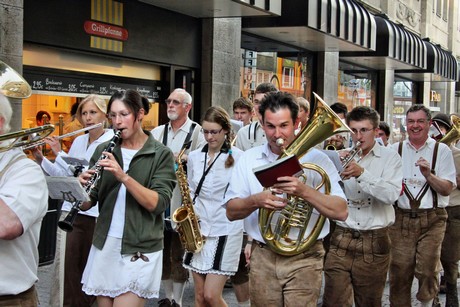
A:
(90, 84)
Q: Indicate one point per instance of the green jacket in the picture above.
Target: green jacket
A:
(153, 167)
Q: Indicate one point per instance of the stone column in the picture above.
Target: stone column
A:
(11, 47)
(385, 98)
(221, 62)
(327, 76)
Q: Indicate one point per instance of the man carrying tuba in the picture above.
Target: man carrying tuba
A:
(277, 280)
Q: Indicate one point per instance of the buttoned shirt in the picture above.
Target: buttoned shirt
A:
(413, 178)
(23, 189)
(454, 197)
(79, 149)
(250, 136)
(209, 202)
(175, 141)
(371, 196)
(244, 183)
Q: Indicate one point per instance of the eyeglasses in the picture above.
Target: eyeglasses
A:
(122, 115)
(173, 101)
(362, 130)
(212, 132)
(418, 121)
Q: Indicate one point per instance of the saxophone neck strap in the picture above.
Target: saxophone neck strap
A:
(205, 172)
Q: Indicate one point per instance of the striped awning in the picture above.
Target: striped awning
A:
(441, 63)
(397, 49)
(316, 25)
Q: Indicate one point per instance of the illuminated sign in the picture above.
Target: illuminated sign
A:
(435, 97)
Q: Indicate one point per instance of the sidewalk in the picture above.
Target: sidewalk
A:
(44, 289)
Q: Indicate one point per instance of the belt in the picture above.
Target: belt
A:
(415, 213)
(357, 233)
(259, 244)
(359, 202)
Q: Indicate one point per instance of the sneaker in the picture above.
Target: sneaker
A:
(174, 304)
(165, 303)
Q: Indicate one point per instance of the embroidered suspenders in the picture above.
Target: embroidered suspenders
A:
(415, 201)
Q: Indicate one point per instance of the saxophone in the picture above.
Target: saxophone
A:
(185, 218)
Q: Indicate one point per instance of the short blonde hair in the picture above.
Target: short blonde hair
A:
(98, 101)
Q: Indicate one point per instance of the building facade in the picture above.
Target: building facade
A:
(385, 54)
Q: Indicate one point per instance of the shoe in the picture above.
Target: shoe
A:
(165, 303)
(174, 304)
(228, 284)
(436, 302)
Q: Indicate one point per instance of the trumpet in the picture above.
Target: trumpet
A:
(356, 150)
(40, 143)
(67, 223)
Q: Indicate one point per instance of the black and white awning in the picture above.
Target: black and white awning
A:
(314, 25)
(396, 49)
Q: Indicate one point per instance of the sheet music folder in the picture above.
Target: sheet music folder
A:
(66, 188)
(269, 173)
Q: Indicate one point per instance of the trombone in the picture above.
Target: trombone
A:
(33, 135)
(12, 85)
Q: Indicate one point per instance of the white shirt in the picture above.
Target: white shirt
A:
(250, 136)
(209, 203)
(454, 197)
(117, 223)
(243, 183)
(23, 189)
(371, 196)
(79, 149)
(413, 178)
(175, 142)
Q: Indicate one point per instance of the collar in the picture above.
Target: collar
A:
(185, 127)
(428, 143)
(224, 149)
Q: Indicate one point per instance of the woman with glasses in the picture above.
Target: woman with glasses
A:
(136, 183)
(209, 170)
(91, 111)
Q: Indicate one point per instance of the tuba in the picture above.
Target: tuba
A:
(453, 134)
(187, 222)
(284, 231)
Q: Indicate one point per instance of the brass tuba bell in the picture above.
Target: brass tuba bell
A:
(12, 84)
(453, 135)
(285, 231)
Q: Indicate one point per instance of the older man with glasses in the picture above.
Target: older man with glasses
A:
(416, 236)
(174, 134)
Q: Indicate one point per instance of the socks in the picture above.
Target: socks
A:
(178, 291)
(168, 286)
(244, 304)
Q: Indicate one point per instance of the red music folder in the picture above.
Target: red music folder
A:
(268, 174)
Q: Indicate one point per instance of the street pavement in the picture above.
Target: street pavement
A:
(45, 278)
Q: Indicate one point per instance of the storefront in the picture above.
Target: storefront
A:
(100, 47)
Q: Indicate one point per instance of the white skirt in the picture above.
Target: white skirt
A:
(220, 255)
(108, 273)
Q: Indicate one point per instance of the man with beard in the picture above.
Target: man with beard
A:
(174, 134)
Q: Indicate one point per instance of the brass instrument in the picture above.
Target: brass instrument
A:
(39, 143)
(33, 135)
(453, 134)
(287, 236)
(12, 84)
(356, 150)
(185, 218)
(67, 223)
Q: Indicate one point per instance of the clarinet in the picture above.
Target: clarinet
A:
(67, 223)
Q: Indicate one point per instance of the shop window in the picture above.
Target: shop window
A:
(288, 77)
